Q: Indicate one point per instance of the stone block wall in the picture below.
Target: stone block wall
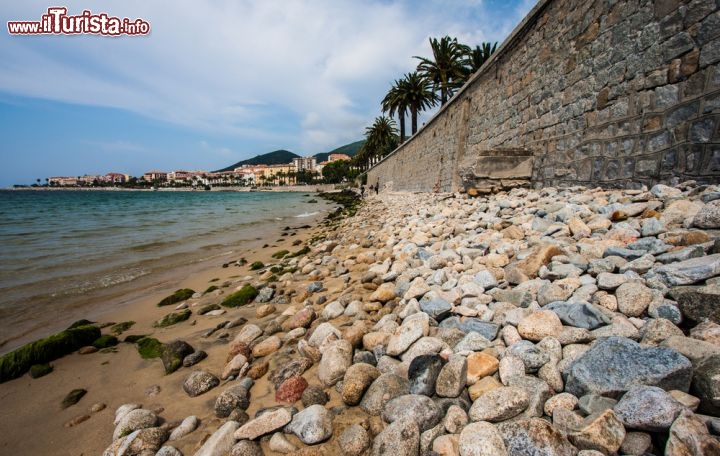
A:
(604, 92)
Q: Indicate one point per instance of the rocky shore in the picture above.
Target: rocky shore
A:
(536, 322)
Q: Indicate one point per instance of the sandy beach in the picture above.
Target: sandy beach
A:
(34, 423)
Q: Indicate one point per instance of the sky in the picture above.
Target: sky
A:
(214, 82)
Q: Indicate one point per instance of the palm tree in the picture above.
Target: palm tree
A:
(445, 69)
(394, 102)
(417, 93)
(381, 139)
(475, 58)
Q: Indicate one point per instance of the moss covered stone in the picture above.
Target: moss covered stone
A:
(179, 295)
(16, 363)
(256, 265)
(211, 288)
(73, 397)
(245, 295)
(133, 338)
(40, 370)
(81, 323)
(303, 251)
(149, 347)
(120, 328)
(105, 341)
(280, 254)
(208, 308)
(173, 318)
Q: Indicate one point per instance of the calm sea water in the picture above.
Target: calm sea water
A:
(62, 250)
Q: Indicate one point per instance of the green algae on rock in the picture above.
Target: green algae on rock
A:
(40, 370)
(173, 318)
(73, 397)
(149, 347)
(105, 341)
(179, 295)
(16, 363)
(246, 294)
(121, 327)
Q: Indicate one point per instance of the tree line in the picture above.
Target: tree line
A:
(435, 80)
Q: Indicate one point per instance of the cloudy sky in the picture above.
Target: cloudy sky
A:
(214, 82)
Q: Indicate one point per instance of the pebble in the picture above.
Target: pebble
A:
(503, 324)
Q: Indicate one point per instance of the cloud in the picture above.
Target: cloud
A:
(306, 73)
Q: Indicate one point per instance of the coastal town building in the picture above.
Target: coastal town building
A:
(305, 164)
(336, 157)
(152, 176)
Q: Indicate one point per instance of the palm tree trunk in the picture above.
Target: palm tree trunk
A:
(402, 126)
(414, 115)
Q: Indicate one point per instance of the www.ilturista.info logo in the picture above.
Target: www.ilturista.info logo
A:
(57, 22)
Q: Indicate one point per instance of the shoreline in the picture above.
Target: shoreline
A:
(284, 188)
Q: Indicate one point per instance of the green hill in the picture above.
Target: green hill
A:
(348, 149)
(271, 158)
(283, 156)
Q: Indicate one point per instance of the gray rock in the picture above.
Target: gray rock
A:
(264, 424)
(401, 437)
(633, 298)
(314, 287)
(698, 303)
(469, 324)
(706, 385)
(199, 382)
(133, 421)
(455, 419)
(472, 341)
(314, 394)
(235, 397)
(336, 358)
(265, 294)
(246, 448)
(423, 373)
(708, 216)
(382, 390)
(650, 245)
(452, 377)
(602, 432)
(280, 444)
(499, 404)
(626, 253)
(594, 403)
(689, 271)
(194, 358)
(578, 315)
(693, 251)
(413, 328)
(332, 310)
(187, 425)
(437, 308)
(173, 353)
(354, 440)
(482, 439)
(312, 425)
(420, 409)
(538, 391)
(609, 281)
(647, 408)
(532, 356)
(168, 451)
(534, 437)
(614, 364)
(220, 442)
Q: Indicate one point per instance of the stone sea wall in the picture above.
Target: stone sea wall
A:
(610, 93)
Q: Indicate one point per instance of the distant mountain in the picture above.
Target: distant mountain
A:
(348, 149)
(271, 158)
(283, 156)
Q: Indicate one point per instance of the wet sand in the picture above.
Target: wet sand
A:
(32, 419)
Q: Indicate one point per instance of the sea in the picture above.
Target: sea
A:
(65, 252)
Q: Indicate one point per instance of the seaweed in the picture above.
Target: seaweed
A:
(179, 295)
(246, 294)
(73, 397)
(256, 265)
(133, 338)
(16, 363)
(40, 370)
(105, 341)
(280, 254)
(173, 318)
(120, 328)
(211, 288)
